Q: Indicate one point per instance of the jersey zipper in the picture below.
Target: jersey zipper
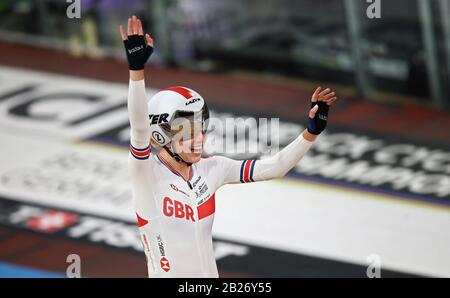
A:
(189, 184)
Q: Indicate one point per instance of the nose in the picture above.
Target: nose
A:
(198, 138)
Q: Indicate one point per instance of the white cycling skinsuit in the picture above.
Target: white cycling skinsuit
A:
(175, 216)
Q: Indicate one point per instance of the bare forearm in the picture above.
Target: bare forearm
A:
(136, 75)
(309, 136)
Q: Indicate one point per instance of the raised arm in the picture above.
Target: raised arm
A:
(279, 164)
(138, 49)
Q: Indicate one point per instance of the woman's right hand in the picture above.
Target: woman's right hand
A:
(138, 49)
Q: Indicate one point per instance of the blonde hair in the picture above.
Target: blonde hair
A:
(155, 145)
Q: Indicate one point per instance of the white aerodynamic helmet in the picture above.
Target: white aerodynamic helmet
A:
(173, 103)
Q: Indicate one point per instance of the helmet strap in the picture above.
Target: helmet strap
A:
(176, 156)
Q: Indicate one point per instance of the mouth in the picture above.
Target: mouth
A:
(196, 149)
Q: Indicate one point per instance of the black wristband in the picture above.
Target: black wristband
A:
(318, 124)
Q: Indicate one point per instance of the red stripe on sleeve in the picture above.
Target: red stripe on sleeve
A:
(140, 153)
(247, 171)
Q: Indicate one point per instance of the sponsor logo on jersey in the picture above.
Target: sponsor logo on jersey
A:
(160, 245)
(164, 262)
(174, 187)
(196, 181)
(201, 190)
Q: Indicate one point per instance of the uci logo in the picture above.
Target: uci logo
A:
(158, 137)
(192, 101)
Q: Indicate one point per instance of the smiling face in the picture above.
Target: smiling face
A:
(189, 138)
(191, 150)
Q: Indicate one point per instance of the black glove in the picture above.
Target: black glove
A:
(318, 124)
(137, 51)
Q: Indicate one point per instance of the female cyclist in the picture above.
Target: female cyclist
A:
(173, 186)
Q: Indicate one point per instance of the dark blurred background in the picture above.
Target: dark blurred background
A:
(406, 52)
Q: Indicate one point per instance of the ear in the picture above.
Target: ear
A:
(176, 147)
